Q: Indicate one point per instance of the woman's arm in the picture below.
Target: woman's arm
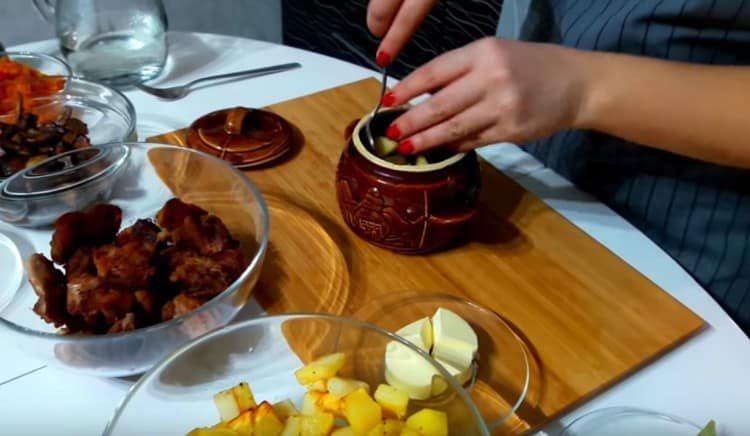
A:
(496, 90)
(694, 110)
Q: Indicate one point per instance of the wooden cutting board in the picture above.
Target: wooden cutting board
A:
(587, 318)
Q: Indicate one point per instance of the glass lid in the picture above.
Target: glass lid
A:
(66, 171)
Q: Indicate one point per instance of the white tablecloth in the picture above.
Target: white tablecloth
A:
(707, 378)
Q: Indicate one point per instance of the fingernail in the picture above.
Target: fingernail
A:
(383, 59)
(389, 99)
(405, 147)
(393, 132)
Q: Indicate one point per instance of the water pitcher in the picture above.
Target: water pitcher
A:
(117, 42)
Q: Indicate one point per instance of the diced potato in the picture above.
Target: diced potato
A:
(330, 403)
(293, 426)
(389, 427)
(429, 422)
(266, 421)
(393, 427)
(393, 400)
(406, 431)
(362, 412)
(317, 386)
(311, 403)
(346, 431)
(421, 161)
(319, 424)
(285, 409)
(243, 396)
(385, 146)
(342, 387)
(243, 424)
(226, 405)
(321, 369)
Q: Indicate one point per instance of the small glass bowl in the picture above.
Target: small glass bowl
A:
(177, 395)
(502, 370)
(107, 112)
(628, 421)
(155, 174)
(46, 64)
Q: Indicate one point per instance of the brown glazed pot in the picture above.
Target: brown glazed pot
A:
(406, 209)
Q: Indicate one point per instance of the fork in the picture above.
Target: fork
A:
(177, 92)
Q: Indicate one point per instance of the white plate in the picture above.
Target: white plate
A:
(10, 281)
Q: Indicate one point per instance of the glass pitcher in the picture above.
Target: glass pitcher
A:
(111, 41)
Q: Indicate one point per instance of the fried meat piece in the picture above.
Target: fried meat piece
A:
(180, 305)
(232, 262)
(90, 299)
(49, 285)
(147, 302)
(174, 212)
(127, 267)
(202, 276)
(144, 231)
(124, 324)
(97, 225)
(206, 234)
(81, 262)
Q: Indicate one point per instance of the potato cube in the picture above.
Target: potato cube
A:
(243, 424)
(266, 421)
(393, 400)
(243, 396)
(345, 431)
(406, 431)
(429, 422)
(319, 424)
(317, 386)
(293, 426)
(285, 409)
(342, 387)
(226, 405)
(330, 403)
(321, 369)
(311, 403)
(362, 412)
(389, 427)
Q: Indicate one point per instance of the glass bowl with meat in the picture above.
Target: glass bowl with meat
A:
(174, 253)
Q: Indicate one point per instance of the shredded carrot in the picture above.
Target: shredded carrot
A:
(19, 82)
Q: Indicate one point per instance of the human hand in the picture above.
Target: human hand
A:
(395, 21)
(490, 91)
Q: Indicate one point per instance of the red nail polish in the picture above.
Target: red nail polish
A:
(405, 147)
(393, 132)
(389, 99)
(383, 59)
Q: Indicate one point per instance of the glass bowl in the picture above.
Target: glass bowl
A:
(155, 174)
(628, 421)
(108, 113)
(46, 64)
(502, 371)
(177, 395)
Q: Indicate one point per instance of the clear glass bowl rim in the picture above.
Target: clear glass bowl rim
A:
(259, 254)
(482, 426)
(47, 57)
(622, 410)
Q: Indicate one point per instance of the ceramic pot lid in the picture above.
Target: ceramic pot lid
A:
(242, 136)
(66, 171)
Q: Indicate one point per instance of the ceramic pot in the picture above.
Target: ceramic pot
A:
(404, 208)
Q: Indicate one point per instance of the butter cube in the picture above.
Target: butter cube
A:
(454, 341)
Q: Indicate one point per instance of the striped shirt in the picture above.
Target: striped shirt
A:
(697, 212)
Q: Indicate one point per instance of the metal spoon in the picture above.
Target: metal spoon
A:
(177, 92)
(370, 138)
